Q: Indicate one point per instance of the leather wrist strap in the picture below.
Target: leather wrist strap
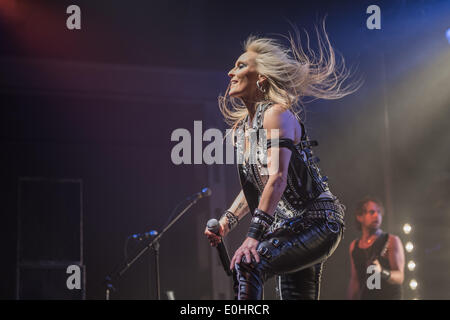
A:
(261, 221)
(263, 216)
(256, 231)
(385, 274)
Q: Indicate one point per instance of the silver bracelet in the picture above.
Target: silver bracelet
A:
(232, 219)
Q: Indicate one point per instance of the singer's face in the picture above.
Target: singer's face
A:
(244, 76)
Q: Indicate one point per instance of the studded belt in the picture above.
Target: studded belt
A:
(330, 211)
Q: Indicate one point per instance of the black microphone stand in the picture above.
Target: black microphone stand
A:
(153, 244)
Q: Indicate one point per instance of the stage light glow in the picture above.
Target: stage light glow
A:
(411, 265)
(409, 246)
(407, 228)
(447, 34)
(413, 284)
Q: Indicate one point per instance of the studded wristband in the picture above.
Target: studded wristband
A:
(231, 219)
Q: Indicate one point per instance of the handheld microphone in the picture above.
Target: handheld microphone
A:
(213, 226)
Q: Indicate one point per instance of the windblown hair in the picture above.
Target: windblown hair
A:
(292, 75)
(361, 208)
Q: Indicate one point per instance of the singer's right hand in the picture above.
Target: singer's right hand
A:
(213, 238)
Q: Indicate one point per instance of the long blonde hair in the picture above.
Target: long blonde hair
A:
(292, 75)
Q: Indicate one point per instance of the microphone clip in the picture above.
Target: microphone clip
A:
(145, 235)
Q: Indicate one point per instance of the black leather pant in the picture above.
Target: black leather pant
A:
(296, 254)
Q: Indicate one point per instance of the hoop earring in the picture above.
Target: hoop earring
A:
(260, 87)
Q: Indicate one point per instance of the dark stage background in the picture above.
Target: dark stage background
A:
(99, 105)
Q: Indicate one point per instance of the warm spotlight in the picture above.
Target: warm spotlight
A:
(407, 228)
(409, 246)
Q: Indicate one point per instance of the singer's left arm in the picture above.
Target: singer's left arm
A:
(279, 123)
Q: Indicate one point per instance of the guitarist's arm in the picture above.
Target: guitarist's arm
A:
(396, 260)
(396, 257)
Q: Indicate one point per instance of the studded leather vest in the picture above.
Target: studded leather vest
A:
(304, 181)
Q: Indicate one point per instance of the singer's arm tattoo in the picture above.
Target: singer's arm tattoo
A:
(239, 209)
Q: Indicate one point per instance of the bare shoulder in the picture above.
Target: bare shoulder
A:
(276, 112)
(394, 241)
(277, 108)
(280, 117)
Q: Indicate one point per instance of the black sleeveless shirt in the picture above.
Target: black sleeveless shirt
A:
(362, 258)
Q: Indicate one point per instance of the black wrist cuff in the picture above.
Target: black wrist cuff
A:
(385, 274)
(260, 223)
(263, 216)
(256, 230)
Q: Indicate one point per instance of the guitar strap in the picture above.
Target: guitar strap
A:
(379, 247)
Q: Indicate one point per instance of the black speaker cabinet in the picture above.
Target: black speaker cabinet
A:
(50, 239)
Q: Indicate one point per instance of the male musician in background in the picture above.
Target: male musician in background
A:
(375, 247)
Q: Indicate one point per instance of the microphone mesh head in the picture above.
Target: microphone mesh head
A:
(213, 225)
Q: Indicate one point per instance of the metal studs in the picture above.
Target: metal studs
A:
(275, 242)
(265, 252)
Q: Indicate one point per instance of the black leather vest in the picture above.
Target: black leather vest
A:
(304, 182)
